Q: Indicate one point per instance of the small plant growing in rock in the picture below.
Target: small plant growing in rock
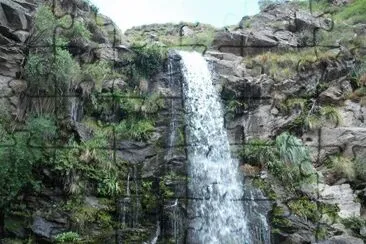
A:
(68, 237)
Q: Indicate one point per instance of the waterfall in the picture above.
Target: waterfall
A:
(216, 210)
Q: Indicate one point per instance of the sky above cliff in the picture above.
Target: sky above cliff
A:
(128, 13)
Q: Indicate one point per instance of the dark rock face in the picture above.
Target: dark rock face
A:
(15, 25)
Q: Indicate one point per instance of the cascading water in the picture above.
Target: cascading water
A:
(216, 209)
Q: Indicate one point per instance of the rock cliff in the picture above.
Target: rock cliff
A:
(116, 169)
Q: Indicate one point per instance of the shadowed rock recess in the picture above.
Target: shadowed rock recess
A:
(137, 137)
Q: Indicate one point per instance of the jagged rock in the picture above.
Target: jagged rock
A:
(187, 31)
(114, 34)
(363, 231)
(135, 152)
(278, 26)
(351, 141)
(343, 196)
(11, 58)
(342, 239)
(94, 202)
(353, 114)
(260, 123)
(83, 131)
(244, 42)
(306, 21)
(295, 239)
(14, 15)
(45, 228)
(332, 95)
(114, 85)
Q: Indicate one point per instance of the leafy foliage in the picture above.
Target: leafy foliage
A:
(148, 59)
(343, 167)
(18, 160)
(97, 73)
(354, 12)
(68, 237)
(287, 159)
(135, 129)
(77, 30)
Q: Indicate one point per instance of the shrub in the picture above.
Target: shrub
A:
(343, 167)
(45, 24)
(287, 159)
(135, 129)
(148, 59)
(331, 114)
(77, 30)
(22, 151)
(354, 223)
(97, 73)
(258, 152)
(70, 236)
(45, 71)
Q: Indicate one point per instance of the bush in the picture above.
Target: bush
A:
(68, 237)
(287, 159)
(343, 167)
(135, 129)
(46, 71)
(21, 152)
(45, 24)
(97, 73)
(77, 30)
(149, 59)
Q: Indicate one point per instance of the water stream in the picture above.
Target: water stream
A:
(216, 209)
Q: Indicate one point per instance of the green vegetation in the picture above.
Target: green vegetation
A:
(22, 152)
(148, 59)
(98, 72)
(284, 65)
(68, 237)
(265, 187)
(313, 211)
(171, 35)
(353, 13)
(355, 224)
(279, 219)
(342, 166)
(311, 115)
(287, 159)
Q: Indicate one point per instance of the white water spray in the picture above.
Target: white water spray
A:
(216, 210)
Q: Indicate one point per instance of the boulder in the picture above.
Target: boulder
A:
(350, 141)
(276, 27)
(353, 114)
(343, 197)
(114, 85)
